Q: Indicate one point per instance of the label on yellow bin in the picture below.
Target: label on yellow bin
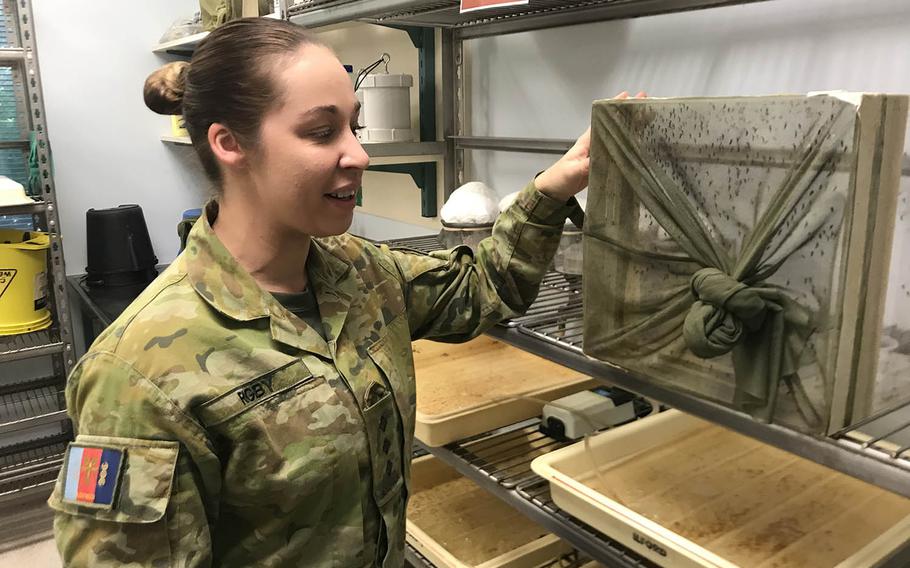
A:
(40, 290)
(24, 299)
(6, 278)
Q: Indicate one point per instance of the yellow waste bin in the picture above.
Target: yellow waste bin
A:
(23, 281)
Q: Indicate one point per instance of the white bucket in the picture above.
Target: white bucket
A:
(386, 108)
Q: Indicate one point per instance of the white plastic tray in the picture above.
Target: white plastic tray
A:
(461, 510)
(470, 388)
(722, 500)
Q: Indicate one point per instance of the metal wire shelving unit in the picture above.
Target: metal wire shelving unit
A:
(876, 450)
(30, 468)
(552, 328)
(500, 462)
(887, 435)
(31, 403)
(538, 14)
(31, 410)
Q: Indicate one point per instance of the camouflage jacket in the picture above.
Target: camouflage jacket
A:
(249, 440)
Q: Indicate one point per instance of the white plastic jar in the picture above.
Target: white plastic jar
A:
(387, 108)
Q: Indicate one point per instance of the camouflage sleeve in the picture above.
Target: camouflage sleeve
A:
(456, 295)
(167, 476)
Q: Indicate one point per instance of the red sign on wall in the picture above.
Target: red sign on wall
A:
(472, 5)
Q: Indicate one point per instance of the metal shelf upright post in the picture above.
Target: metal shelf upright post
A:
(34, 428)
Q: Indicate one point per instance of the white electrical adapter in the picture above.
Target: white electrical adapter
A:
(574, 416)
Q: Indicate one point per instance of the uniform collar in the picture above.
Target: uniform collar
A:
(216, 275)
(231, 290)
(335, 284)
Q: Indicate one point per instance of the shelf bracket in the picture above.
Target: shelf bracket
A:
(424, 174)
(424, 39)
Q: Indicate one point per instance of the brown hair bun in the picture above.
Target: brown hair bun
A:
(163, 91)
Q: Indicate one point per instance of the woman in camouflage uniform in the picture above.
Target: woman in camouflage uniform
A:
(255, 405)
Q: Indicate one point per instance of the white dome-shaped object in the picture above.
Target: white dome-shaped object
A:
(12, 192)
(474, 203)
(476, 187)
(507, 201)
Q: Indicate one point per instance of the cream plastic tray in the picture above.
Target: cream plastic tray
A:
(456, 524)
(464, 389)
(685, 493)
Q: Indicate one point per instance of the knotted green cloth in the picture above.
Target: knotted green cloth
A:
(765, 330)
(728, 307)
(723, 311)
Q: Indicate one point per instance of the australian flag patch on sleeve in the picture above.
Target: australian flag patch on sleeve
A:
(92, 475)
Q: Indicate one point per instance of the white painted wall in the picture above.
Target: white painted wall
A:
(541, 84)
(94, 57)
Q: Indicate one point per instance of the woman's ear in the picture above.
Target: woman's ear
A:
(225, 146)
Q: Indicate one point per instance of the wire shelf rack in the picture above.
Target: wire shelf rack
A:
(31, 403)
(446, 13)
(500, 461)
(557, 314)
(27, 345)
(414, 558)
(424, 244)
(32, 467)
(887, 433)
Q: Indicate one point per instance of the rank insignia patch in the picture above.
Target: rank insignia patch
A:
(92, 475)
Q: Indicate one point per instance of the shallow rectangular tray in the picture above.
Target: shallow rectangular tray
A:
(683, 492)
(470, 388)
(450, 517)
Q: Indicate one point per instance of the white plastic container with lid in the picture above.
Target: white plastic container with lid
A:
(386, 100)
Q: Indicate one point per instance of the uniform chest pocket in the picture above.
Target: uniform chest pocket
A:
(392, 356)
(285, 438)
(384, 431)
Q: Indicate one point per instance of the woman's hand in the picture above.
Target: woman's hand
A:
(569, 175)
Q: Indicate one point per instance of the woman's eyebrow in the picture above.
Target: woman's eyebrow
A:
(331, 109)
